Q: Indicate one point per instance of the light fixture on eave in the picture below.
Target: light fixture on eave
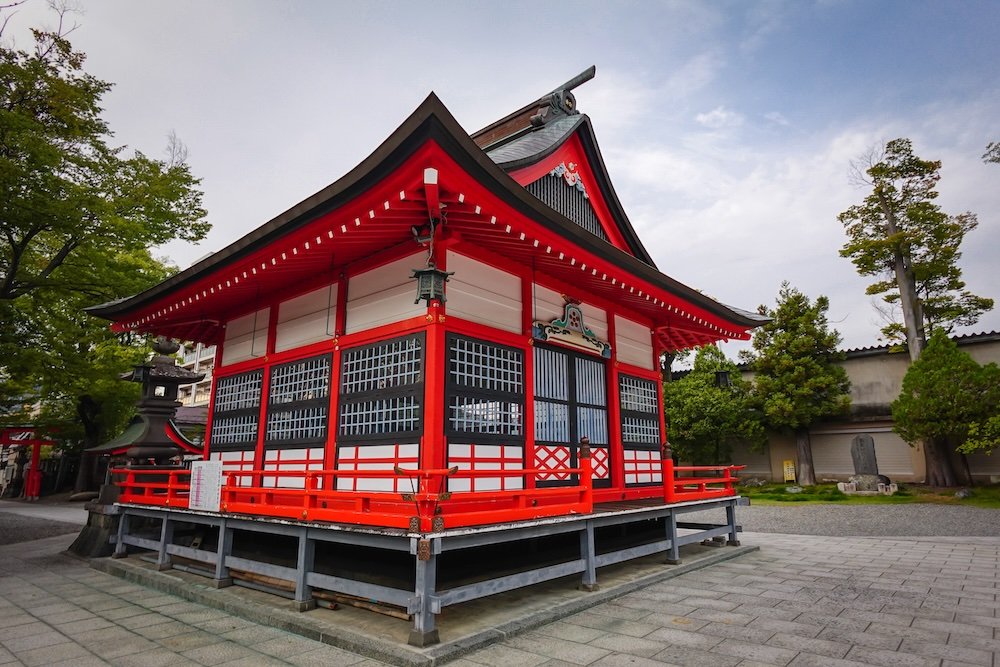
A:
(430, 279)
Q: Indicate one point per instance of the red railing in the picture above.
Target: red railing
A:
(679, 487)
(163, 486)
(429, 506)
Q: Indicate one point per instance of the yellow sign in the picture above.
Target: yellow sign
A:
(789, 467)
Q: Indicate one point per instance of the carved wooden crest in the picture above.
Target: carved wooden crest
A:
(571, 330)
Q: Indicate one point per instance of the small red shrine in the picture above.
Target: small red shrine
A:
(462, 330)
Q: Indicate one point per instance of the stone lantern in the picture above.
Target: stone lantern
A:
(160, 379)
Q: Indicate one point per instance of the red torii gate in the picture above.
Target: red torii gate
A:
(26, 436)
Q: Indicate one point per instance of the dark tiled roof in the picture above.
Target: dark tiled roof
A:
(964, 339)
(535, 143)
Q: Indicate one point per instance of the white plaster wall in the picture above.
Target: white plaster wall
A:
(306, 319)
(246, 337)
(481, 293)
(383, 295)
(633, 343)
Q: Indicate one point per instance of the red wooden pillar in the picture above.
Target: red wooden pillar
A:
(616, 451)
(527, 325)
(33, 478)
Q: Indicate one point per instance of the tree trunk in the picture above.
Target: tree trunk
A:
(909, 301)
(966, 470)
(806, 474)
(939, 469)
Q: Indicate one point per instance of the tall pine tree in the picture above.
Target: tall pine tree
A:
(797, 380)
(903, 240)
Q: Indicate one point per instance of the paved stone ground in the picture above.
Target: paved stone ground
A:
(799, 601)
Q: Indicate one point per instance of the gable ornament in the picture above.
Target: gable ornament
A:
(570, 330)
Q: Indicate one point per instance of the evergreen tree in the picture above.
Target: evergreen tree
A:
(948, 397)
(797, 380)
(706, 417)
(992, 153)
(899, 236)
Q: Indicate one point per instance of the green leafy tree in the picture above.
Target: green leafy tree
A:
(78, 216)
(983, 436)
(945, 396)
(798, 381)
(900, 237)
(705, 418)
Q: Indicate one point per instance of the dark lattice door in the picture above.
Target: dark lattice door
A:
(570, 403)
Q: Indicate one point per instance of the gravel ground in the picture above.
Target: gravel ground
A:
(15, 528)
(871, 520)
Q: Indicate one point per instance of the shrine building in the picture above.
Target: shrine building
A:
(465, 329)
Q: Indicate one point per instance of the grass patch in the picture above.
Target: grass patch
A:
(777, 494)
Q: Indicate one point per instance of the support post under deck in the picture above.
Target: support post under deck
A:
(166, 537)
(424, 632)
(734, 540)
(304, 565)
(225, 546)
(121, 549)
(673, 555)
(588, 553)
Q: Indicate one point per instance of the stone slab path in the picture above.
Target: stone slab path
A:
(799, 601)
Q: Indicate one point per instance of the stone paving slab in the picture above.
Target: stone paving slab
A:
(800, 601)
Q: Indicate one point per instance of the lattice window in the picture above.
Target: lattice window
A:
(387, 365)
(485, 391)
(299, 402)
(238, 392)
(480, 365)
(368, 418)
(475, 415)
(381, 390)
(640, 415)
(237, 411)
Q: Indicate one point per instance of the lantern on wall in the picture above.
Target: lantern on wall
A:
(430, 283)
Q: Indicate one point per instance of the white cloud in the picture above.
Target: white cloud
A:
(777, 118)
(719, 117)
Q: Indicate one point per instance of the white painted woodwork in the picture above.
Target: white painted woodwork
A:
(378, 457)
(291, 460)
(480, 293)
(633, 343)
(549, 305)
(384, 295)
(642, 466)
(233, 462)
(246, 337)
(470, 457)
(305, 319)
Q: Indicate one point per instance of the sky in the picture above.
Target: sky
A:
(728, 128)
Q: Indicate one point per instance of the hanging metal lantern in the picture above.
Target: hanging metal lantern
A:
(430, 283)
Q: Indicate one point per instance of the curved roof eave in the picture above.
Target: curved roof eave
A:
(430, 121)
